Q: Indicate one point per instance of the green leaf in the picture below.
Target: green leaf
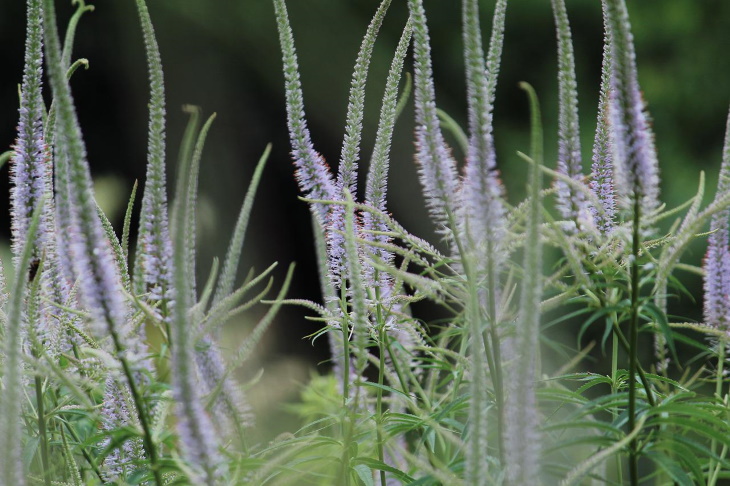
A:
(671, 467)
(661, 319)
(376, 465)
(385, 388)
(235, 247)
(364, 473)
(128, 222)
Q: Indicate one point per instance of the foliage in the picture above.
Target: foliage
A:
(112, 376)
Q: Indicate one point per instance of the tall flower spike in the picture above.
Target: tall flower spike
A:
(30, 165)
(313, 175)
(717, 260)
(571, 202)
(347, 171)
(482, 219)
(634, 154)
(93, 262)
(521, 415)
(376, 188)
(198, 442)
(437, 170)
(154, 248)
(31, 176)
(602, 168)
(11, 464)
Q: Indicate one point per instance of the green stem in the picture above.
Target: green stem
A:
(496, 352)
(633, 343)
(84, 452)
(379, 404)
(718, 392)
(344, 473)
(346, 350)
(642, 375)
(614, 387)
(490, 336)
(42, 429)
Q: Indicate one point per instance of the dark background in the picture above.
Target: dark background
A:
(224, 56)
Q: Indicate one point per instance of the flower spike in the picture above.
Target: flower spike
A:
(437, 170)
(634, 154)
(31, 163)
(717, 260)
(571, 202)
(602, 168)
(313, 174)
(154, 255)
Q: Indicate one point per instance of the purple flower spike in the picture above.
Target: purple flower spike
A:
(115, 413)
(153, 272)
(336, 257)
(230, 409)
(717, 260)
(717, 278)
(634, 154)
(602, 169)
(312, 173)
(571, 202)
(437, 168)
(31, 161)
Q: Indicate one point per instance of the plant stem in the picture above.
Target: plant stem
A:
(496, 352)
(642, 376)
(346, 351)
(42, 429)
(633, 343)
(379, 404)
(84, 452)
(614, 387)
(344, 473)
(718, 392)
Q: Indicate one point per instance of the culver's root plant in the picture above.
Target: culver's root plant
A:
(469, 402)
(112, 367)
(87, 396)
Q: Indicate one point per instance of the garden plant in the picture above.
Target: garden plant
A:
(113, 370)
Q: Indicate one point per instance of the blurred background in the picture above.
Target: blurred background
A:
(224, 56)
